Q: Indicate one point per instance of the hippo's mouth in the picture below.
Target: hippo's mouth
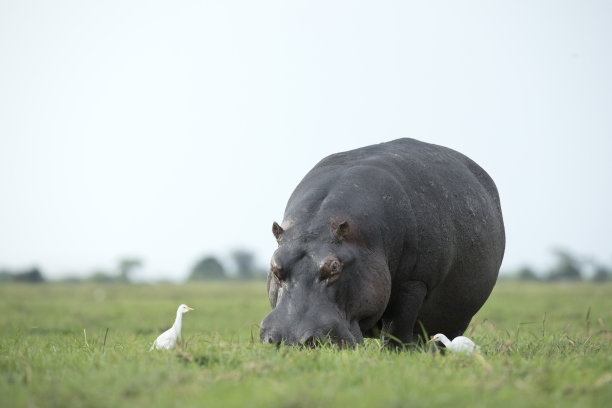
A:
(327, 339)
(341, 335)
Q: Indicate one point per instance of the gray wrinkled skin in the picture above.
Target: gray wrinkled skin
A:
(384, 237)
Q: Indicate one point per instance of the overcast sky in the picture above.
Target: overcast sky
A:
(171, 130)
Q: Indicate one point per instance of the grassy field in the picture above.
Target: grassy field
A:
(542, 345)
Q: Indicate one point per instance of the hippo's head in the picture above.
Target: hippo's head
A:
(324, 283)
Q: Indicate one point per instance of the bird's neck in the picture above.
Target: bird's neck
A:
(178, 323)
(445, 340)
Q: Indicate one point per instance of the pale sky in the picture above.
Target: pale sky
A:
(168, 130)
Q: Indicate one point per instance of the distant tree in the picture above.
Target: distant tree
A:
(102, 277)
(208, 268)
(245, 263)
(126, 266)
(261, 273)
(5, 276)
(31, 276)
(71, 279)
(567, 268)
(602, 274)
(527, 274)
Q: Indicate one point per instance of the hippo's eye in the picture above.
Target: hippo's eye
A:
(330, 271)
(277, 272)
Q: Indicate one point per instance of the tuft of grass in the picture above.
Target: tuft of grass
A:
(87, 345)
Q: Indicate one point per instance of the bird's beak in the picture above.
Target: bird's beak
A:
(190, 308)
(431, 340)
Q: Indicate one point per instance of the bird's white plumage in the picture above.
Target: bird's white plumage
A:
(459, 344)
(167, 340)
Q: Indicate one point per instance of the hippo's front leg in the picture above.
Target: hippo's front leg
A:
(401, 315)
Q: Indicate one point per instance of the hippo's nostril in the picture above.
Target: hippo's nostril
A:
(271, 338)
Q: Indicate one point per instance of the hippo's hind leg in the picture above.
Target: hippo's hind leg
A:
(400, 317)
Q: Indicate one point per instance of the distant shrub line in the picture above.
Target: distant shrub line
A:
(567, 268)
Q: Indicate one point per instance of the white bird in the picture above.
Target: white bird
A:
(167, 340)
(459, 344)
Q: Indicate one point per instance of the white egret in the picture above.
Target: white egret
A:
(167, 340)
(459, 344)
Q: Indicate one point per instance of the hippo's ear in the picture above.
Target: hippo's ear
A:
(341, 230)
(277, 230)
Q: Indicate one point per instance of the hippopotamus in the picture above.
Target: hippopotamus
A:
(402, 238)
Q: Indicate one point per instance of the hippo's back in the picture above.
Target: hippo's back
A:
(413, 163)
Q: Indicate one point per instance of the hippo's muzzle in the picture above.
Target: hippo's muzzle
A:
(279, 327)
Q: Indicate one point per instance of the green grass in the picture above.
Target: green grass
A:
(542, 345)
